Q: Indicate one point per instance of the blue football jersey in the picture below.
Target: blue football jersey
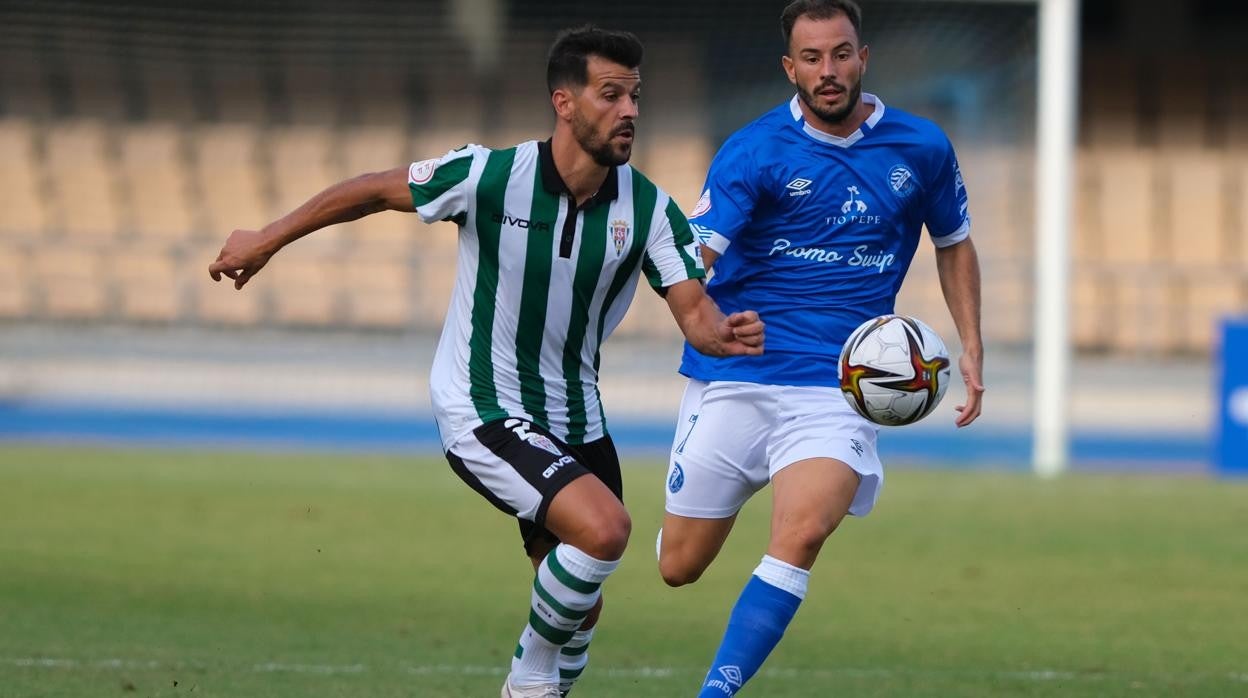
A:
(816, 232)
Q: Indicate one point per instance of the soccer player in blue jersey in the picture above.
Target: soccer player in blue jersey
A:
(811, 214)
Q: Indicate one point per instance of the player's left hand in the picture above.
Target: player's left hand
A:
(972, 367)
(741, 334)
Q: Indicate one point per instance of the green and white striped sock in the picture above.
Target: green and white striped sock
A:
(573, 658)
(566, 586)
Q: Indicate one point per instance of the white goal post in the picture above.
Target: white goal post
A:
(1058, 89)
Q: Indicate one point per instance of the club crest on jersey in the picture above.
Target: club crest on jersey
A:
(901, 180)
(521, 429)
(676, 480)
(619, 234)
(800, 186)
(703, 205)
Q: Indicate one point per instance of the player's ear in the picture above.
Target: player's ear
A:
(863, 54)
(788, 65)
(561, 99)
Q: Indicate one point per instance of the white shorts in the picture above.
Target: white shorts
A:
(732, 438)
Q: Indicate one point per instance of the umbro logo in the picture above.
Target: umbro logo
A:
(728, 681)
(799, 186)
(732, 674)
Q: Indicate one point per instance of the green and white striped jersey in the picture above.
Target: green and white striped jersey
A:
(540, 283)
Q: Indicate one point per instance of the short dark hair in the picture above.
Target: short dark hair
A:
(819, 9)
(567, 62)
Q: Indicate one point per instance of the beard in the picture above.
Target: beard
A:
(601, 150)
(832, 116)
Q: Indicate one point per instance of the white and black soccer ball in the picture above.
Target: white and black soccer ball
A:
(894, 370)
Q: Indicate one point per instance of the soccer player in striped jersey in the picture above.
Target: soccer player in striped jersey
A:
(553, 237)
(811, 214)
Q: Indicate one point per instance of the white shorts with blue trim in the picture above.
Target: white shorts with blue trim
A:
(732, 438)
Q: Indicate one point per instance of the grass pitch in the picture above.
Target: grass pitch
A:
(165, 573)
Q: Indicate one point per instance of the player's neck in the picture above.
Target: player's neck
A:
(843, 128)
(577, 168)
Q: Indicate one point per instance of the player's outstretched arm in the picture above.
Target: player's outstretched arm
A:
(958, 268)
(706, 327)
(247, 251)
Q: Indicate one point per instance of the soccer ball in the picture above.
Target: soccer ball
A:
(894, 370)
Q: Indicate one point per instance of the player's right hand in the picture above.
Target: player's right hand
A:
(245, 253)
(742, 334)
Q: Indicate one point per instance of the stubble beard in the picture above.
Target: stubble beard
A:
(832, 116)
(599, 149)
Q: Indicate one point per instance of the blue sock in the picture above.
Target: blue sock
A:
(757, 623)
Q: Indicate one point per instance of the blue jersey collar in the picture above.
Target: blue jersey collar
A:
(828, 138)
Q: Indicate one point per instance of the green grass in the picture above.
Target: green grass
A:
(162, 573)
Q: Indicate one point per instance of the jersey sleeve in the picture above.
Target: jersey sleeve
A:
(947, 217)
(441, 186)
(729, 197)
(671, 254)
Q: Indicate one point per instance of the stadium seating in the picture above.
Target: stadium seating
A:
(85, 196)
(15, 287)
(228, 177)
(25, 214)
(154, 174)
(146, 282)
(123, 175)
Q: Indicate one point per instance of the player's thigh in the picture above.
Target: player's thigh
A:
(810, 498)
(818, 423)
(588, 515)
(603, 461)
(515, 465)
(718, 458)
(687, 546)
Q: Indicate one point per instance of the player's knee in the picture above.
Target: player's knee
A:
(607, 540)
(807, 538)
(677, 572)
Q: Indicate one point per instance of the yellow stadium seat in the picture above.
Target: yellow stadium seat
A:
(1210, 298)
(678, 164)
(1144, 313)
(1129, 210)
(147, 282)
(1237, 191)
(1000, 191)
(228, 178)
(70, 282)
(376, 149)
(1198, 231)
(378, 293)
(156, 179)
(304, 288)
(25, 214)
(82, 172)
(1090, 309)
(218, 302)
(1089, 243)
(304, 164)
(15, 282)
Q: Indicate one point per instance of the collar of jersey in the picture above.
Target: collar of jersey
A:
(553, 183)
(838, 140)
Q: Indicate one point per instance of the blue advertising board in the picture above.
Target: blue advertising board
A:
(1231, 449)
